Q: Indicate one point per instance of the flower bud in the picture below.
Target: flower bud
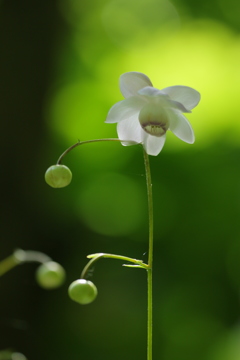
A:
(50, 275)
(58, 176)
(82, 291)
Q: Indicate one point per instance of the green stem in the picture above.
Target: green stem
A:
(7, 264)
(94, 257)
(90, 141)
(21, 256)
(150, 254)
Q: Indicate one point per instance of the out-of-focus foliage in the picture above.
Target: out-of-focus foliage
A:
(60, 63)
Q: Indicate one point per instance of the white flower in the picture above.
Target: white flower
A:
(147, 113)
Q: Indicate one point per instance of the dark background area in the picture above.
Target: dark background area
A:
(196, 203)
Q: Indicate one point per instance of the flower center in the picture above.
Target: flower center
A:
(154, 120)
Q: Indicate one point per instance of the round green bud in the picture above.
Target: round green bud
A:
(82, 291)
(58, 176)
(50, 275)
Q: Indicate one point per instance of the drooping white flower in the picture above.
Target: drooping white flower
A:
(147, 113)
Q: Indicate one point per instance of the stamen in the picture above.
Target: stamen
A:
(154, 120)
(155, 130)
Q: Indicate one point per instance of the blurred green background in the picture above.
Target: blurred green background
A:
(60, 62)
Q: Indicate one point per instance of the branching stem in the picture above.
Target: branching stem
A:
(95, 257)
(136, 263)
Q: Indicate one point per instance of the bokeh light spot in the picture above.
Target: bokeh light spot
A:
(130, 22)
(111, 204)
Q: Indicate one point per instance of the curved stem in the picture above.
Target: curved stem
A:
(32, 256)
(87, 142)
(20, 256)
(150, 253)
(95, 257)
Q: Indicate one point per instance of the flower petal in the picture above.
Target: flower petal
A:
(185, 95)
(125, 109)
(133, 81)
(155, 95)
(130, 129)
(151, 91)
(179, 106)
(152, 144)
(180, 126)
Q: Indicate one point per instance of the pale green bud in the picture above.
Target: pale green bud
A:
(50, 275)
(82, 291)
(58, 176)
